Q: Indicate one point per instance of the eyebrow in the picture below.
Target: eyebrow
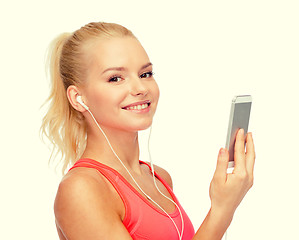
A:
(146, 65)
(123, 68)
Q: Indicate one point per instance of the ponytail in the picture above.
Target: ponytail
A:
(62, 125)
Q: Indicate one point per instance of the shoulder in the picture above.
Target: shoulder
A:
(78, 186)
(85, 194)
(80, 179)
(163, 174)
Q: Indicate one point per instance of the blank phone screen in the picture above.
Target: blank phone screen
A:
(240, 120)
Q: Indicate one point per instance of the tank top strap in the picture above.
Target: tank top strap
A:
(117, 180)
(111, 175)
(161, 180)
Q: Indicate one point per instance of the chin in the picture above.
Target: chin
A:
(141, 127)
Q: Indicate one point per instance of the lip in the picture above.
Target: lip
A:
(137, 103)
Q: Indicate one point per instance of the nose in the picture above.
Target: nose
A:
(138, 87)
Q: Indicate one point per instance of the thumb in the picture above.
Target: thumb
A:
(222, 164)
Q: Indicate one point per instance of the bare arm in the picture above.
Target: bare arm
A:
(228, 190)
(84, 210)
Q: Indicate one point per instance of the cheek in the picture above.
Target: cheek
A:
(107, 99)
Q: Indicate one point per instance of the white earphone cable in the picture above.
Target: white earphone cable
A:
(153, 172)
(147, 196)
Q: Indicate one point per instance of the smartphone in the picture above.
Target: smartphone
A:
(239, 118)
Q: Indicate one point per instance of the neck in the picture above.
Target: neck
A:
(125, 145)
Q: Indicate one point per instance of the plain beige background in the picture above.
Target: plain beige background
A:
(204, 53)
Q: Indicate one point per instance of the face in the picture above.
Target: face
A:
(120, 89)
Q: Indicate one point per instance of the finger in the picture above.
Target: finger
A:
(222, 165)
(239, 154)
(250, 153)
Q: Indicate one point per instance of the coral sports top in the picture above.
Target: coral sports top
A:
(142, 219)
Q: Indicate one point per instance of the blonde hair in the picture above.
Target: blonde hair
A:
(63, 125)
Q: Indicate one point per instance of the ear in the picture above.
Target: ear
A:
(72, 93)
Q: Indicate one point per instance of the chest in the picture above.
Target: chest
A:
(145, 220)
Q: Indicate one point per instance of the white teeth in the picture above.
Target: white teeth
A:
(138, 107)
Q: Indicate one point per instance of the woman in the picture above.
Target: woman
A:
(103, 93)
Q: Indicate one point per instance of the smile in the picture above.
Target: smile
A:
(138, 106)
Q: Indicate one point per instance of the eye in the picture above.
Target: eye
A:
(146, 74)
(115, 79)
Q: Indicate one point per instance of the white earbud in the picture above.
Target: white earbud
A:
(79, 100)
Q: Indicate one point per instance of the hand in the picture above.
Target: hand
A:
(228, 190)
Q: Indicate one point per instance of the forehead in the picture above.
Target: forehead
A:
(117, 52)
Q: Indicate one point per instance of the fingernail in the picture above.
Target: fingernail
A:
(242, 131)
(222, 151)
